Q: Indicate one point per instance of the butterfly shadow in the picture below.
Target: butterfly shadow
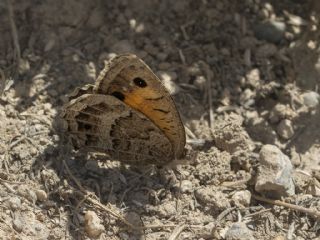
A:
(80, 182)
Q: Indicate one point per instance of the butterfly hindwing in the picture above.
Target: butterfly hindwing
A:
(103, 123)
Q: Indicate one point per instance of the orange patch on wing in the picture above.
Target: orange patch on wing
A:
(136, 101)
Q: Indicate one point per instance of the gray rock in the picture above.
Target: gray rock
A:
(275, 173)
(239, 231)
(271, 31)
(311, 99)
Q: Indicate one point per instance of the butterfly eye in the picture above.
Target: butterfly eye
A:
(118, 95)
(140, 82)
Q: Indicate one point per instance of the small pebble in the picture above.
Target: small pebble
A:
(247, 97)
(33, 151)
(43, 141)
(14, 203)
(134, 218)
(41, 195)
(168, 78)
(47, 106)
(200, 82)
(239, 231)
(253, 78)
(277, 113)
(242, 197)
(24, 66)
(167, 210)
(93, 226)
(274, 176)
(18, 222)
(285, 129)
(2, 113)
(311, 99)
(214, 198)
(186, 186)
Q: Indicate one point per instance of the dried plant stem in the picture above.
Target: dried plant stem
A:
(209, 76)
(312, 212)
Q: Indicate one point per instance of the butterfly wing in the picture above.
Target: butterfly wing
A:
(105, 124)
(128, 78)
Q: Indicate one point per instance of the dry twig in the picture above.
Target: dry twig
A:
(182, 57)
(257, 213)
(209, 75)
(312, 212)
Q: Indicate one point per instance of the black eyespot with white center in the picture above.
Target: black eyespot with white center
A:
(140, 82)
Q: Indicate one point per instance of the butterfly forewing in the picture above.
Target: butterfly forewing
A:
(133, 82)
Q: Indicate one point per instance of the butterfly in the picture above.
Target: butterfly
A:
(128, 114)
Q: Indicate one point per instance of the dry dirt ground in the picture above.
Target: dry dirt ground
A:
(240, 73)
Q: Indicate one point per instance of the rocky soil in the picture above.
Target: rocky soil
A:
(245, 77)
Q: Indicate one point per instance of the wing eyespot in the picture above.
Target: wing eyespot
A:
(140, 82)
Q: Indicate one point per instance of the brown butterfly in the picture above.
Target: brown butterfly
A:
(127, 114)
